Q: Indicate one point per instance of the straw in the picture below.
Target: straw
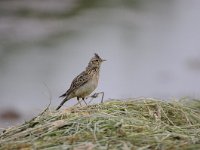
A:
(128, 124)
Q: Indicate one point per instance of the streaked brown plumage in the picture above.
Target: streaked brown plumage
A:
(85, 83)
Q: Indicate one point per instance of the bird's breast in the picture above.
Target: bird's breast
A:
(88, 87)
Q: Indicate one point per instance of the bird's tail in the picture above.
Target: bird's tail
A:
(64, 95)
(66, 99)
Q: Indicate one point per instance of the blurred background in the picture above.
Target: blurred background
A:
(152, 48)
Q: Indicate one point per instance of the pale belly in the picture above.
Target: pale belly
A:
(86, 89)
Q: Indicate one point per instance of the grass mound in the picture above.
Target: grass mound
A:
(131, 124)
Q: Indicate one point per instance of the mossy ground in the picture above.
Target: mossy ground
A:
(131, 124)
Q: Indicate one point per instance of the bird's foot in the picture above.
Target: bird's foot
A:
(95, 95)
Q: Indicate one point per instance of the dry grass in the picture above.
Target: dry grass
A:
(132, 124)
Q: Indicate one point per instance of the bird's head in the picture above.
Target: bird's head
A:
(96, 61)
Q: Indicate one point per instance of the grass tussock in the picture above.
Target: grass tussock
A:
(132, 124)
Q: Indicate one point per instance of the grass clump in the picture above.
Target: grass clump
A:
(131, 124)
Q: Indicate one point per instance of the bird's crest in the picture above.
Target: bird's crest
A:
(96, 55)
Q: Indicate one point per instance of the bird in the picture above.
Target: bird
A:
(85, 83)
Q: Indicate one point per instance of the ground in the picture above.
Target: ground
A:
(116, 124)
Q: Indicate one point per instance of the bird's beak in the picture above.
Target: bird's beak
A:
(103, 60)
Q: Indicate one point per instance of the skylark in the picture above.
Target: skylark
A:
(85, 83)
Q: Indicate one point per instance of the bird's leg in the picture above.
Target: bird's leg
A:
(102, 96)
(84, 101)
(79, 101)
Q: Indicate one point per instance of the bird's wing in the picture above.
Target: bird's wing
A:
(80, 80)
